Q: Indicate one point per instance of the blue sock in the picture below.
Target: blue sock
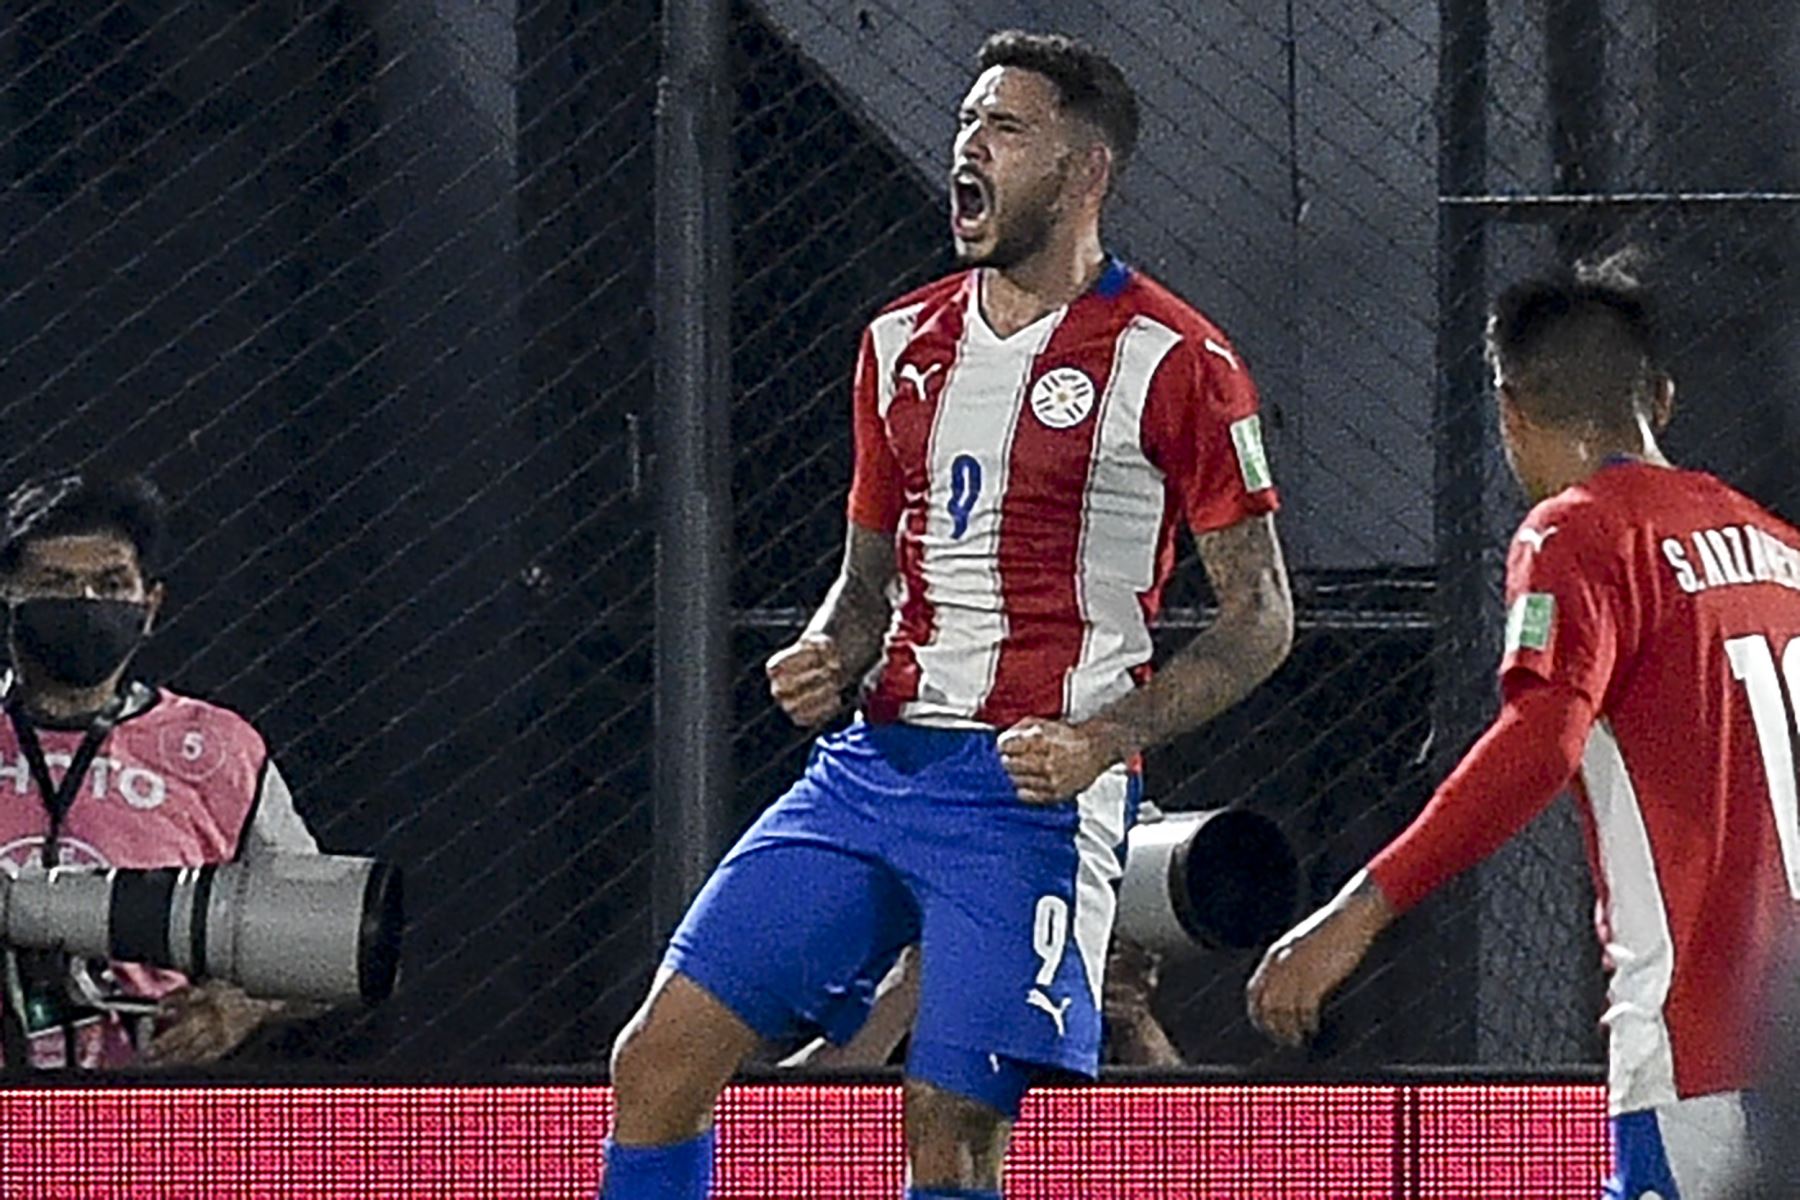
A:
(950, 1194)
(679, 1172)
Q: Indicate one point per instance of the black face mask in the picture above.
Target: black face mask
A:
(79, 642)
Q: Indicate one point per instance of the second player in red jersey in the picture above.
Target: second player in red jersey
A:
(1652, 655)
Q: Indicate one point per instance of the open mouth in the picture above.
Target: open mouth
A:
(970, 203)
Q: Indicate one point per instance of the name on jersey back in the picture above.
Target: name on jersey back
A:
(1729, 556)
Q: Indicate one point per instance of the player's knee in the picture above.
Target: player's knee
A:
(672, 1059)
(647, 1065)
(628, 1053)
(953, 1140)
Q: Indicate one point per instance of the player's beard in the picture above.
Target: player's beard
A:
(1023, 226)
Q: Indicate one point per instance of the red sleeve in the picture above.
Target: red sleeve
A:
(1567, 609)
(1203, 430)
(876, 490)
(1508, 777)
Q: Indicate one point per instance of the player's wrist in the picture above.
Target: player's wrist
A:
(1365, 906)
(1114, 741)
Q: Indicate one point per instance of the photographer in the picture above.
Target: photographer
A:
(100, 770)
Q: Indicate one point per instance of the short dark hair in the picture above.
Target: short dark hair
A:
(1089, 84)
(70, 503)
(1580, 346)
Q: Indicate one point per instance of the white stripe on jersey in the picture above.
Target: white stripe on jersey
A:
(977, 415)
(890, 332)
(1098, 840)
(1640, 1060)
(1122, 514)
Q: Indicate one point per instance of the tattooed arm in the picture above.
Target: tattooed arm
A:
(844, 637)
(1051, 761)
(1224, 663)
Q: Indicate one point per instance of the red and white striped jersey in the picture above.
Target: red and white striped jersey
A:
(1673, 603)
(1034, 484)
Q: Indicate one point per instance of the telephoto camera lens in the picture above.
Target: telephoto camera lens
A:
(1224, 880)
(281, 926)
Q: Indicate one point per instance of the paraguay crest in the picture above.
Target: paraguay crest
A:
(1063, 398)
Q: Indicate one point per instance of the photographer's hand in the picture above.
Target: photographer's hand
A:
(204, 1022)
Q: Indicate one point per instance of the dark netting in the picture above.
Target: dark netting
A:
(368, 289)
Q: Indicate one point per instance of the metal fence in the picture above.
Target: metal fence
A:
(369, 289)
(361, 286)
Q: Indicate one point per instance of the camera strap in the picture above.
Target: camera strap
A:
(14, 1037)
(58, 799)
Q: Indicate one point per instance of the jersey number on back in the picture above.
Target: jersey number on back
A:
(1772, 711)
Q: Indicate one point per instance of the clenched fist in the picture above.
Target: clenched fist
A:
(1052, 761)
(1308, 963)
(807, 679)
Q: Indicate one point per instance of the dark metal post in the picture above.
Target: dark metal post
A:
(1464, 654)
(1575, 77)
(693, 470)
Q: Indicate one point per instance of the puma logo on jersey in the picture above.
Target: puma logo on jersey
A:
(1058, 1012)
(911, 374)
(1536, 539)
(1222, 351)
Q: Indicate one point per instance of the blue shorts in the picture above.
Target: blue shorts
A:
(898, 834)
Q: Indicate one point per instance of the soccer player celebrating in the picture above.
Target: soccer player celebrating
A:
(1650, 647)
(1029, 433)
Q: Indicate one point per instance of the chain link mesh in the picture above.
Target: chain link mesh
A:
(360, 286)
(365, 288)
(1289, 186)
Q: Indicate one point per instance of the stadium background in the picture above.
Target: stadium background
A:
(393, 300)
